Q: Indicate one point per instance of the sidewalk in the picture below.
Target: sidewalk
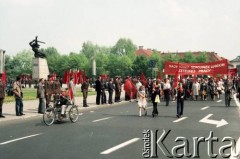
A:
(30, 107)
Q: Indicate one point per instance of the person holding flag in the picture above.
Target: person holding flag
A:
(72, 90)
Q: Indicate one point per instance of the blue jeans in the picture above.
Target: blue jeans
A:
(19, 106)
(180, 105)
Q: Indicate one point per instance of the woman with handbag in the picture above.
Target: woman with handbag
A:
(155, 97)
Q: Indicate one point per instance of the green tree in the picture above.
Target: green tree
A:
(52, 56)
(202, 57)
(21, 63)
(188, 58)
(159, 64)
(89, 49)
(171, 57)
(124, 47)
(101, 61)
(140, 65)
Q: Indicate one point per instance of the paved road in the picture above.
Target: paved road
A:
(115, 132)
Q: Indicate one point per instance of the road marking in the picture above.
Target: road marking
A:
(180, 119)
(108, 151)
(219, 101)
(101, 119)
(91, 111)
(205, 108)
(235, 154)
(214, 122)
(236, 100)
(6, 142)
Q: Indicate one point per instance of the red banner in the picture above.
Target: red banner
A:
(232, 71)
(211, 68)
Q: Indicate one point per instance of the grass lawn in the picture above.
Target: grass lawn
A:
(31, 93)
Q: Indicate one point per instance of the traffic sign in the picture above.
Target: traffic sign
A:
(152, 63)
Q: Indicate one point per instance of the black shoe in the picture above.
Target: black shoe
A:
(2, 116)
(178, 116)
(22, 114)
(152, 115)
(18, 115)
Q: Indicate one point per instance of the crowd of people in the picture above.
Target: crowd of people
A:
(136, 89)
(189, 89)
(195, 89)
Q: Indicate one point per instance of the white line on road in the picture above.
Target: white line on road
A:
(6, 142)
(108, 151)
(220, 123)
(205, 108)
(236, 100)
(101, 119)
(235, 152)
(180, 119)
(219, 101)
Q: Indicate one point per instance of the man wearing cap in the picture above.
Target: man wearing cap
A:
(2, 95)
(48, 87)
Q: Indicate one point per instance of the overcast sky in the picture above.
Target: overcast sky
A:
(165, 25)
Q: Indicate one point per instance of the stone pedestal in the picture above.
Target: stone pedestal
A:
(40, 68)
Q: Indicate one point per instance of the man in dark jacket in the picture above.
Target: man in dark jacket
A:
(180, 100)
(110, 91)
(98, 90)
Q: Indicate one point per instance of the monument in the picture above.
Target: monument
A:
(2, 61)
(40, 66)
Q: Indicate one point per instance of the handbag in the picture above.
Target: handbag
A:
(157, 99)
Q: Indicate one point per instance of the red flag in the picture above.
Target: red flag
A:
(66, 77)
(143, 80)
(80, 77)
(175, 82)
(159, 76)
(4, 77)
(130, 88)
(75, 77)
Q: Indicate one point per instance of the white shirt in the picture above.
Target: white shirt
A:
(166, 86)
(138, 85)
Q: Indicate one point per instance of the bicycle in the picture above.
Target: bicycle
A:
(53, 113)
